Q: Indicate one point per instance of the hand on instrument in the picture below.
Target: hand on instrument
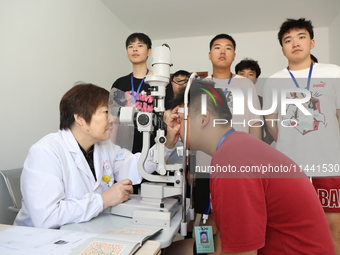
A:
(117, 193)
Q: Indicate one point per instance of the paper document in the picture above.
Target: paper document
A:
(40, 241)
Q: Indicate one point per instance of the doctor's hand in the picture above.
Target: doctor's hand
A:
(173, 127)
(117, 193)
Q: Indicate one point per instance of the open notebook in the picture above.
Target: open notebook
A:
(125, 241)
(18, 240)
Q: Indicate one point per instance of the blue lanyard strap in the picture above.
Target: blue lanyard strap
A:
(226, 90)
(224, 137)
(207, 208)
(231, 76)
(309, 77)
(139, 86)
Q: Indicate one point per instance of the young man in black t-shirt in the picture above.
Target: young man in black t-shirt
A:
(138, 48)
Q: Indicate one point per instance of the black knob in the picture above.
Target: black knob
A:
(143, 119)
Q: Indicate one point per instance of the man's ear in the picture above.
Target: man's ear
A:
(79, 119)
(149, 52)
(312, 44)
(234, 56)
(205, 119)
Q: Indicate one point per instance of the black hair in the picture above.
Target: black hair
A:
(314, 59)
(216, 100)
(222, 36)
(138, 36)
(180, 72)
(248, 63)
(290, 24)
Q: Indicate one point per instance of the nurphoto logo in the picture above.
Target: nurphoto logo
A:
(239, 102)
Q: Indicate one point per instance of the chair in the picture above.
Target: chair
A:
(12, 179)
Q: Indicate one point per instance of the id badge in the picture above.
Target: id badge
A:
(204, 239)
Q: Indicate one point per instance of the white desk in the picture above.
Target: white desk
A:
(107, 222)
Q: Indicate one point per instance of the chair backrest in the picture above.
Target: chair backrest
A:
(12, 179)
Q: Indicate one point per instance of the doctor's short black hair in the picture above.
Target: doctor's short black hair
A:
(216, 102)
(82, 99)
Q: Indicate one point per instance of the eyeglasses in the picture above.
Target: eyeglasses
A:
(181, 82)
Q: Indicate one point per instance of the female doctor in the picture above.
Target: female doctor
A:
(68, 177)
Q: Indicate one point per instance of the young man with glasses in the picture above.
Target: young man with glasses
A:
(179, 80)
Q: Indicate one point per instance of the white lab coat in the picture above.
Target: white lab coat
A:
(58, 186)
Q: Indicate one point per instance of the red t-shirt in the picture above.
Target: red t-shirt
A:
(273, 213)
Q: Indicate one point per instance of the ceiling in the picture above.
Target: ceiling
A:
(162, 19)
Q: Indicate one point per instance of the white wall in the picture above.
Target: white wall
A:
(334, 40)
(45, 47)
(191, 53)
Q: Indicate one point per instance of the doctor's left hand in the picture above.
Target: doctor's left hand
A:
(173, 127)
(117, 193)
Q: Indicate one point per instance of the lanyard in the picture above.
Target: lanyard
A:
(226, 89)
(309, 77)
(224, 137)
(139, 86)
(207, 208)
(231, 76)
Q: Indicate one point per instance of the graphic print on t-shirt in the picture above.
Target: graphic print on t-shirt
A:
(301, 122)
(144, 102)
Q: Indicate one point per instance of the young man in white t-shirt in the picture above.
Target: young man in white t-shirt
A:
(222, 54)
(308, 130)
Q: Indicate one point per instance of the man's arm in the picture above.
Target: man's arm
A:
(256, 130)
(271, 121)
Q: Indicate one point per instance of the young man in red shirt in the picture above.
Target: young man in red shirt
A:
(261, 202)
